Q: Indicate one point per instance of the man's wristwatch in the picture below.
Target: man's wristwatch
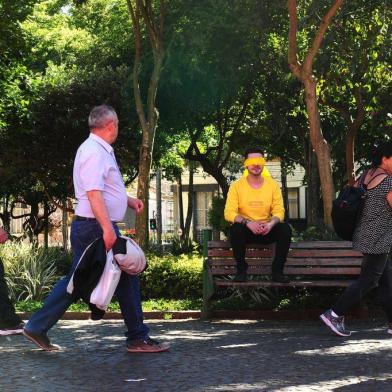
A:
(245, 221)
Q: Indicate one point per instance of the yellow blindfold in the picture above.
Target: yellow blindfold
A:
(254, 161)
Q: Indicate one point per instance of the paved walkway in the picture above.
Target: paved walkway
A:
(205, 356)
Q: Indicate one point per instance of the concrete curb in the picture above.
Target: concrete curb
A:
(300, 314)
(149, 315)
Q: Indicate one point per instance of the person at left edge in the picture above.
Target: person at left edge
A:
(10, 322)
(102, 201)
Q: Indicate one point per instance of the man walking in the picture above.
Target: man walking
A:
(10, 322)
(102, 201)
(254, 206)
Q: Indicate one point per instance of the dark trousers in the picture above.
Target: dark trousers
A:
(240, 236)
(376, 271)
(8, 318)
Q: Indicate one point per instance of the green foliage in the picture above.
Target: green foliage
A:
(30, 271)
(316, 233)
(160, 304)
(216, 215)
(180, 246)
(175, 277)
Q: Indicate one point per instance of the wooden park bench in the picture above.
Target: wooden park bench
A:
(309, 264)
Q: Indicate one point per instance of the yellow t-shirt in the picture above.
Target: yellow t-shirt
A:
(254, 204)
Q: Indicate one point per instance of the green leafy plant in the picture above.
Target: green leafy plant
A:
(174, 277)
(216, 215)
(32, 273)
(181, 246)
(316, 233)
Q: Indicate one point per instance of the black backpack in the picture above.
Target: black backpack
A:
(347, 208)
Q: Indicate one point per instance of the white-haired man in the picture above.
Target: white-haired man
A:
(102, 201)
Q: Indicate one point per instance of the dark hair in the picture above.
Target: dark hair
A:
(253, 150)
(380, 151)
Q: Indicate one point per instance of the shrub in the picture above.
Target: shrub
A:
(31, 271)
(216, 215)
(181, 246)
(318, 233)
(171, 276)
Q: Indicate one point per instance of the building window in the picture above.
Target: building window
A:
(202, 205)
(293, 200)
(169, 219)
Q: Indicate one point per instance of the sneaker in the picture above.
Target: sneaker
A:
(147, 345)
(15, 330)
(240, 277)
(41, 340)
(336, 324)
(389, 329)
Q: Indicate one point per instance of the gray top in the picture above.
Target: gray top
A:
(373, 233)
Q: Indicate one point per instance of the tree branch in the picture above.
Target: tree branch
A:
(135, 18)
(318, 39)
(294, 65)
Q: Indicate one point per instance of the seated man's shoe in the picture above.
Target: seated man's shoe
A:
(12, 330)
(41, 340)
(280, 278)
(147, 345)
(240, 277)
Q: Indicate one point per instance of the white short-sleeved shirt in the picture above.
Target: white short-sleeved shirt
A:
(95, 168)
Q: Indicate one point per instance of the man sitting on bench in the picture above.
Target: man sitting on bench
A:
(254, 206)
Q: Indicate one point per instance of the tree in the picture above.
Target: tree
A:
(304, 72)
(354, 71)
(142, 12)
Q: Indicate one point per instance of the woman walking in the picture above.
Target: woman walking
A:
(373, 237)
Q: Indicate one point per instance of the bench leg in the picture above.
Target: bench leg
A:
(205, 311)
(208, 290)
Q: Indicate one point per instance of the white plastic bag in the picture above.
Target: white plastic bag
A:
(104, 290)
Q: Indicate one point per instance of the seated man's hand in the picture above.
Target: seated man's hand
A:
(265, 227)
(255, 227)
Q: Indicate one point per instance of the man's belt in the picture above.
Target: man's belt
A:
(83, 218)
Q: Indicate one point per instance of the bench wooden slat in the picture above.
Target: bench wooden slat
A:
(298, 283)
(257, 253)
(261, 253)
(324, 253)
(291, 262)
(294, 245)
(290, 271)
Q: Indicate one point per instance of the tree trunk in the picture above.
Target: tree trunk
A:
(283, 174)
(321, 148)
(180, 204)
(313, 191)
(143, 186)
(46, 225)
(6, 214)
(159, 207)
(189, 213)
(64, 224)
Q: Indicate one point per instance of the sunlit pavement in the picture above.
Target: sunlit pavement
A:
(204, 356)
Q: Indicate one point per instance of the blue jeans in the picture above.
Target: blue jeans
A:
(58, 301)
